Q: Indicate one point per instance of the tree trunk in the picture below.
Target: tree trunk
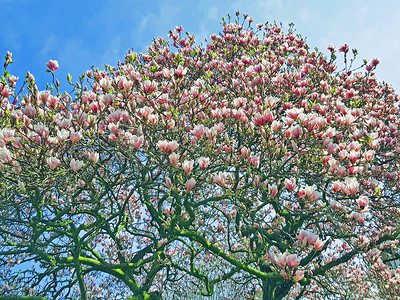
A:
(276, 290)
(146, 296)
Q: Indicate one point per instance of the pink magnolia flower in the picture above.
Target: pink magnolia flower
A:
(350, 93)
(137, 141)
(194, 91)
(219, 127)
(290, 184)
(259, 120)
(168, 182)
(105, 83)
(187, 166)
(163, 145)
(319, 244)
(42, 130)
(12, 81)
(256, 161)
(302, 235)
(153, 119)
(336, 185)
(7, 134)
(279, 259)
(341, 171)
(256, 181)
(203, 162)
(296, 131)
(271, 101)
(64, 123)
(16, 143)
(145, 111)
(149, 86)
(168, 73)
(5, 155)
(220, 178)
(76, 164)
(167, 209)
(375, 62)
(30, 78)
(343, 154)
(331, 47)
(345, 48)
(8, 59)
(190, 184)
(62, 134)
(108, 99)
(311, 238)
(171, 124)
(355, 170)
(358, 217)
(336, 205)
(311, 193)
(350, 186)
(353, 156)
(174, 158)
(29, 111)
(172, 146)
(53, 162)
(273, 190)
(273, 257)
(288, 121)
(244, 152)
(293, 113)
(198, 131)
(332, 148)
(284, 274)
(164, 99)
(276, 125)
(307, 238)
(349, 119)
(34, 136)
(52, 65)
(299, 275)
(331, 132)
(292, 261)
(94, 156)
(180, 71)
(124, 84)
(369, 155)
(114, 128)
(362, 202)
(167, 145)
(268, 116)
(75, 136)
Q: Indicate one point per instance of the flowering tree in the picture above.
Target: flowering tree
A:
(251, 163)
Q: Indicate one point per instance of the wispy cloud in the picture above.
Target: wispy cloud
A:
(51, 44)
(213, 13)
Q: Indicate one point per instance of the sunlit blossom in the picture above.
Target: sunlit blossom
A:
(53, 162)
(52, 65)
(76, 164)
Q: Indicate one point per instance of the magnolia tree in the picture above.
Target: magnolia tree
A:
(249, 164)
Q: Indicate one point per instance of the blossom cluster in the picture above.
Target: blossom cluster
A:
(254, 150)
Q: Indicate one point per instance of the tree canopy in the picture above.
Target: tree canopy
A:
(252, 163)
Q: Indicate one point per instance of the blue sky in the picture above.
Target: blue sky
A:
(80, 34)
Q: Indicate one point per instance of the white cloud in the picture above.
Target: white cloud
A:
(50, 45)
(144, 23)
(213, 13)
